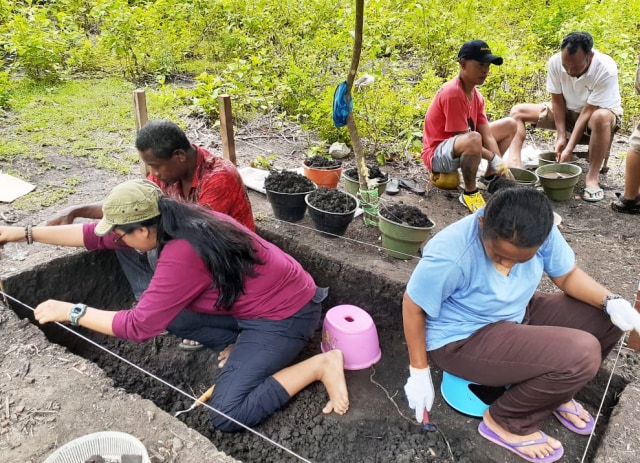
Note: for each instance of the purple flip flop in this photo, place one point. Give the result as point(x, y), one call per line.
point(488, 434)
point(569, 425)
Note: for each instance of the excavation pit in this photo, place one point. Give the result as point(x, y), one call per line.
point(378, 426)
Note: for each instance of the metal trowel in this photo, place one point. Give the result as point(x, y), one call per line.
point(202, 399)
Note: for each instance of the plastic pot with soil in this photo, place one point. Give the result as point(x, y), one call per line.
point(404, 228)
point(285, 192)
point(559, 180)
point(352, 183)
point(331, 210)
point(322, 171)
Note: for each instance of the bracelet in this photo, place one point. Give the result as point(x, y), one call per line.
point(608, 298)
point(28, 234)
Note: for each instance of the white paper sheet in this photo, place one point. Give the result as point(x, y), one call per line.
point(12, 188)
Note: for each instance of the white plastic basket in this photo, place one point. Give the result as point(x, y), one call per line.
point(109, 444)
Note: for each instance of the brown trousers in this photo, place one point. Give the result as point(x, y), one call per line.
point(546, 359)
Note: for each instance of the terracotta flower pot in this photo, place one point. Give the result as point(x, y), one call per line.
point(327, 178)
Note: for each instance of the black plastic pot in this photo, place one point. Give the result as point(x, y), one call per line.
point(331, 224)
point(289, 207)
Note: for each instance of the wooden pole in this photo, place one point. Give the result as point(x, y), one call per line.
point(226, 129)
point(363, 174)
point(634, 338)
point(141, 118)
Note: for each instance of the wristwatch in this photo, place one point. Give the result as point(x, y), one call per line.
point(77, 311)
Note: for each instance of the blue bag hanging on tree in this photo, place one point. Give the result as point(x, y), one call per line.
point(342, 105)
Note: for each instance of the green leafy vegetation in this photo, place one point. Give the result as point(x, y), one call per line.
point(281, 58)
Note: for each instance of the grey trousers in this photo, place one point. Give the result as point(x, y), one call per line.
point(547, 359)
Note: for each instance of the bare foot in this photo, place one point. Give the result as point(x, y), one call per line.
point(533, 451)
point(332, 376)
point(579, 419)
point(224, 355)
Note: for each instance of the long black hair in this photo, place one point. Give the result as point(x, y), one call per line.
point(227, 250)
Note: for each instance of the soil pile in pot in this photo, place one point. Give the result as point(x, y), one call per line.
point(374, 172)
point(286, 191)
point(320, 162)
point(331, 200)
point(287, 181)
point(406, 215)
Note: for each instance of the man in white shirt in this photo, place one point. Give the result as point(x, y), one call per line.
point(585, 107)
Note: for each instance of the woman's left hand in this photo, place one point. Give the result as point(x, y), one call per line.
point(52, 311)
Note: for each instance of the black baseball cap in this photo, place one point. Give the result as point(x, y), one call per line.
point(478, 50)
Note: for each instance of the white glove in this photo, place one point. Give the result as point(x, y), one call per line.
point(499, 166)
point(623, 315)
point(419, 390)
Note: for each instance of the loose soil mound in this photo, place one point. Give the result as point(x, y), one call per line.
point(331, 200)
point(374, 172)
point(407, 215)
point(320, 162)
point(287, 181)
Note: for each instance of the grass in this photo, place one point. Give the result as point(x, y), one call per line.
point(91, 119)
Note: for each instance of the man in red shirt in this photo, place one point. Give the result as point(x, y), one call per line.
point(191, 173)
point(457, 133)
point(183, 171)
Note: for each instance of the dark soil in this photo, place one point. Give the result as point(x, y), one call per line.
point(287, 181)
point(332, 200)
point(374, 172)
point(407, 215)
point(321, 162)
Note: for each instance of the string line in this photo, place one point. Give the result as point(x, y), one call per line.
point(166, 383)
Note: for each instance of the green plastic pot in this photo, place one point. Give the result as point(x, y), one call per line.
point(549, 157)
point(559, 180)
point(524, 177)
point(352, 186)
point(402, 241)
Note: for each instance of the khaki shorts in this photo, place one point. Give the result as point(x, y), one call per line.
point(547, 122)
point(634, 141)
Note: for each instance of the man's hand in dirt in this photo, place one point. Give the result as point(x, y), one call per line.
point(52, 311)
point(561, 144)
point(565, 156)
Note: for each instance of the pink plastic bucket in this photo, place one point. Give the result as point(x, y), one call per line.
point(351, 330)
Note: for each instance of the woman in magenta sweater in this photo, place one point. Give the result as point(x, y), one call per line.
point(215, 282)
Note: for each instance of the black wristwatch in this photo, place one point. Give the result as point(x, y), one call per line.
point(76, 312)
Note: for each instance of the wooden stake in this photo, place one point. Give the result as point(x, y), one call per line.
point(141, 118)
point(226, 129)
point(634, 338)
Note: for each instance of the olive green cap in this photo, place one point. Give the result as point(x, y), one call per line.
point(130, 202)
